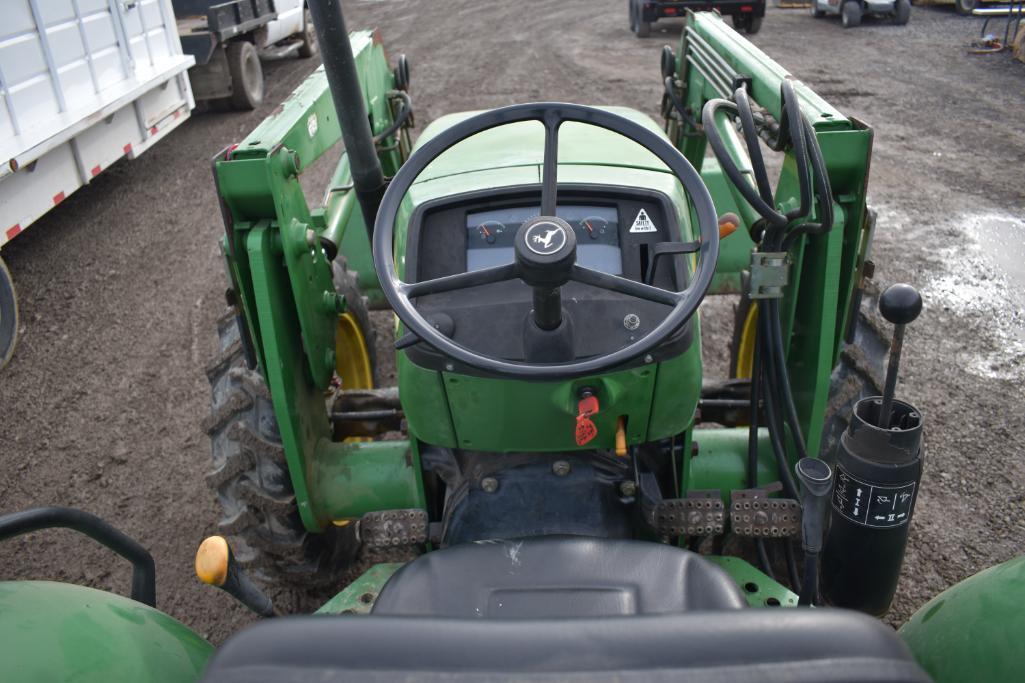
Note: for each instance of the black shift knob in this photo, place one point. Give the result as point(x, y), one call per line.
point(900, 304)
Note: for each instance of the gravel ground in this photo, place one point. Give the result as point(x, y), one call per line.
point(120, 285)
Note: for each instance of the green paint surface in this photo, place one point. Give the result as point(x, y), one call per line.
point(759, 590)
point(62, 632)
point(975, 630)
point(359, 596)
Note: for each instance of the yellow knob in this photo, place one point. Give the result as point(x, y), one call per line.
point(212, 560)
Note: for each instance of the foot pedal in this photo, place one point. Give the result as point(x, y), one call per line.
point(753, 513)
point(701, 513)
point(393, 528)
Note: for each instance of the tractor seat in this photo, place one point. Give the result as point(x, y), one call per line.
point(770, 645)
point(557, 577)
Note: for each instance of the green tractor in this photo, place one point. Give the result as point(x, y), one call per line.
point(553, 490)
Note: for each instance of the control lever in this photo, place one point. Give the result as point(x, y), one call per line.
point(900, 304)
point(216, 566)
point(816, 481)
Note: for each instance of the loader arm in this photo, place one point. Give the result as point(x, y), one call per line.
point(712, 60)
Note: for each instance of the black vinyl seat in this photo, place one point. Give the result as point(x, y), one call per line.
point(557, 576)
point(567, 608)
point(771, 645)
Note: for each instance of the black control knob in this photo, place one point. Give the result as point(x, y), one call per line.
point(900, 304)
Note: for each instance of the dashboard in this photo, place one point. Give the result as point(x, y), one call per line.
point(616, 228)
point(490, 235)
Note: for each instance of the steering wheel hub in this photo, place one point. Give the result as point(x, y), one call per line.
point(546, 249)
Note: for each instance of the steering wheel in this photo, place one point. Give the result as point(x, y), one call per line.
point(545, 246)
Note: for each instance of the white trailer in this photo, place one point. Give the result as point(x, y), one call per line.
point(83, 83)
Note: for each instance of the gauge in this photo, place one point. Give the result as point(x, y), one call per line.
point(490, 231)
point(595, 226)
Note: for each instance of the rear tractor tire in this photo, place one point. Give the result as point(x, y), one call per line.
point(850, 14)
point(859, 372)
point(251, 477)
point(815, 11)
point(246, 75)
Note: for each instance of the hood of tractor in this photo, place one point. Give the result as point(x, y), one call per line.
point(522, 144)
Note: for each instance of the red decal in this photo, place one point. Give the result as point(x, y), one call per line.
point(58, 198)
point(127, 148)
point(585, 430)
point(96, 170)
point(177, 113)
point(153, 130)
point(11, 232)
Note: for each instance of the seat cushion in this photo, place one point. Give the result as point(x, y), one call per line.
point(796, 645)
point(557, 576)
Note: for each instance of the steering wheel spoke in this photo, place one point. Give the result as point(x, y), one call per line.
point(549, 169)
point(448, 283)
point(614, 283)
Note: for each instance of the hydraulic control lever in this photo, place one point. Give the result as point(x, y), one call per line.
point(216, 566)
point(878, 472)
point(816, 479)
point(900, 304)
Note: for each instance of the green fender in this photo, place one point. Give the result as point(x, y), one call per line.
point(975, 630)
point(62, 632)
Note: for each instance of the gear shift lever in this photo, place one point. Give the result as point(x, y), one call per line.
point(900, 304)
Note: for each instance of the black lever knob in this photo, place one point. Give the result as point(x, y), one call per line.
point(900, 304)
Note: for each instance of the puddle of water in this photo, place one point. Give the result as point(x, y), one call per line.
point(986, 279)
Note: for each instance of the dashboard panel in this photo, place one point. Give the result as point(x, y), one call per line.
point(615, 228)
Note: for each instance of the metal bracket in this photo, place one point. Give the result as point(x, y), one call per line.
point(770, 273)
point(393, 528)
point(753, 513)
point(701, 513)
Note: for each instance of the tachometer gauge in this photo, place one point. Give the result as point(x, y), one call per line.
point(594, 226)
point(490, 231)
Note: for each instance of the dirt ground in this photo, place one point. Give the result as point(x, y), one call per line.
point(121, 284)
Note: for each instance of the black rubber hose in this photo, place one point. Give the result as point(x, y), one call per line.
point(795, 576)
point(775, 438)
point(782, 377)
point(808, 593)
point(823, 193)
point(754, 148)
point(752, 450)
point(794, 125)
point(400, 118)
point(715, 140)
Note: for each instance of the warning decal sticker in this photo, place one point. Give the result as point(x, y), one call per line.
point(870, 504)
point(642, 223)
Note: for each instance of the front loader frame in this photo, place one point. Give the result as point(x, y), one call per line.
point(281, 281)
point(711, 62)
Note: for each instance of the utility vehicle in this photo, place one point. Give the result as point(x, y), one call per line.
point(557, 492)
point(853, 11)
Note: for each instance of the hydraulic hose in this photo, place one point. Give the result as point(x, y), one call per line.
point(752, 451)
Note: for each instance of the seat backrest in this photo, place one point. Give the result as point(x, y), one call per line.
point(766, 645)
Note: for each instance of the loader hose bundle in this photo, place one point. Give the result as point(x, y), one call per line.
point(778, 231)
